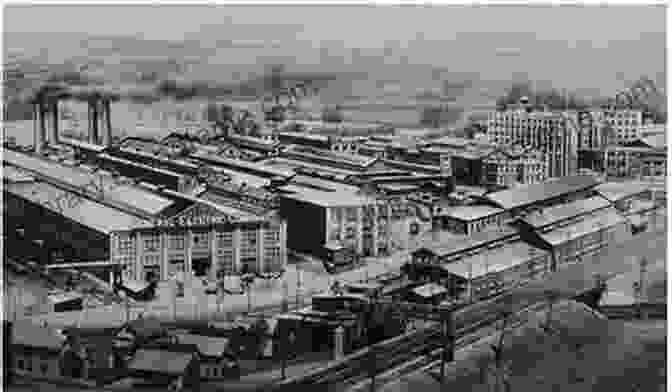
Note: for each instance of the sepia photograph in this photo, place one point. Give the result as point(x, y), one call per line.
point(341, 197)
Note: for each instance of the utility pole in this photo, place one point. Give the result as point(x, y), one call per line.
point(449, 344)
point(643, 263)
point(372, 352)
point(285, 294)
point(298, 288)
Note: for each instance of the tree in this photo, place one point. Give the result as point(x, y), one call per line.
point(496, 370)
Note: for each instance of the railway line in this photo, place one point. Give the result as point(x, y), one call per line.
point(567, 283)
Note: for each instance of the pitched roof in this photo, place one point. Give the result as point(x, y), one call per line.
point(493, 260)
point(470, 213)
point(207, 345)
point(579, 229)
point(459, 244)
point(533, 193)
point(615, 191)
point(561, 212)
point(128, 196)
point(162, 361)
point(328, 156)
point(86, 212)
point(32, 335)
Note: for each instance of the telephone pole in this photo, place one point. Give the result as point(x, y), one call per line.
point(449, 344)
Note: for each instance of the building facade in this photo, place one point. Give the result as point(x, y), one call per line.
point(633, 161)
point(554, 134)
point(194, 244)
point(509, 168)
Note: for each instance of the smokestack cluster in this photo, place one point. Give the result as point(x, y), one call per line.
point(46, 126)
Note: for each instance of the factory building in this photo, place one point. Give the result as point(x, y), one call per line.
point(339, 160)
point(468, 220)
point(343, 216)
point(150, 235)
point(582, 239)
point(481, 265)
point(205, 240)
point(521, 199)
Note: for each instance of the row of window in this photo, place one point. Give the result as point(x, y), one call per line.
point(152, 243)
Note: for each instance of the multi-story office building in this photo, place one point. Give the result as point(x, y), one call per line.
point(554, 134)
point(624, 121)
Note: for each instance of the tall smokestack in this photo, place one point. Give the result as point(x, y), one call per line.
point(41, 127)
point(93, 122)
point(37, 140)
point(53, 137)
point(100, 107)
point(108, 122)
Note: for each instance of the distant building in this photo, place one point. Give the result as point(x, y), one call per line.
point(647, 130)
point(554, 134)
point(641, 158)
point(468, 220)
point(512, 167)
point(624, 121)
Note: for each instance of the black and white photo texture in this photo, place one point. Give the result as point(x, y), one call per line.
point(334, 197)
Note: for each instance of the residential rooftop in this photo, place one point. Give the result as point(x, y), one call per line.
point(210, 346)
point(162, 361)
point(28, 334)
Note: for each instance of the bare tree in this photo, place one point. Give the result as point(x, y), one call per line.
point(496, 370)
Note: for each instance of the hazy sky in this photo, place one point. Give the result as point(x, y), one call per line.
point(577, 46)
point(355, 25)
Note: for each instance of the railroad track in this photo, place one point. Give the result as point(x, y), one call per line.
point(394, 352)
point(464, 337)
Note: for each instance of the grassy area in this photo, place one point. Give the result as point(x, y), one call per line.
point(586, 353)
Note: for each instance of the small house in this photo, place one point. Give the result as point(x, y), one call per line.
point(217, 361)
point(173, 366)
point(139, 332)
point(36, 351)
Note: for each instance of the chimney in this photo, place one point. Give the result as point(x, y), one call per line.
point(108, 123)
point(36, 128)
point(40, 133)
point(93, 122)
point(53, 137)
